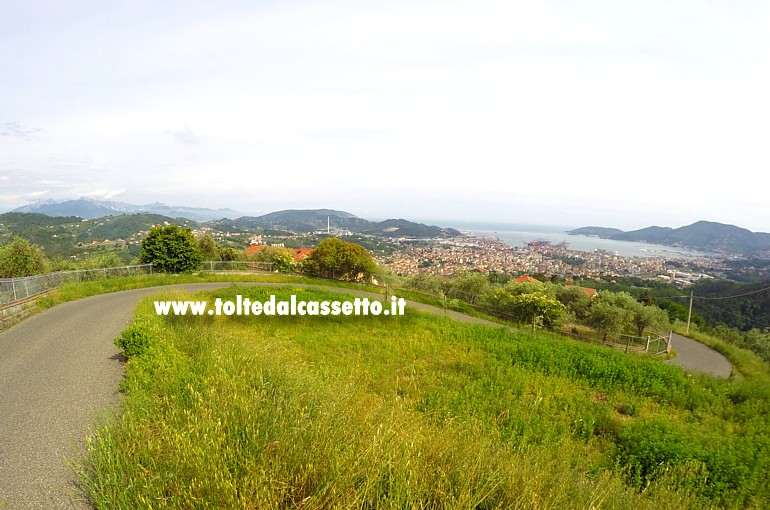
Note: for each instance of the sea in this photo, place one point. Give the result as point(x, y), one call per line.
point(521, 234)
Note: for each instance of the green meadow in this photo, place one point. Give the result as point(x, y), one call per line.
point(416, 411)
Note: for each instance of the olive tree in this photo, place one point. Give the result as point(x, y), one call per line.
point(608, 318)
point(530, 307)
point(21, 258)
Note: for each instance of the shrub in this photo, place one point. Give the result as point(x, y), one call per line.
point(134, 341)
point(650, 448)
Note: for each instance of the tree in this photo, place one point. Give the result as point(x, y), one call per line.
point(469, 286)
point(334, 258)
point(208, 247)
point(228, 254)
point(171, 249)
point(106, 259)
point(538, 306)
point(428, 284)
point(637, 316)
point(529, 307)
point(649, 317)
point(282, 259)
point(21, 258)
point(608, 318)
point(611, 313)
point(575, 300)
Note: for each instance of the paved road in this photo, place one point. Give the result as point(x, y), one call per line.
point(696, 357)
point(59, 373)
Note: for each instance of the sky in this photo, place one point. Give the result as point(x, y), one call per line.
point(615, 113)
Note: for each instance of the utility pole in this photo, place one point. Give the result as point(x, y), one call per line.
point(689, 314)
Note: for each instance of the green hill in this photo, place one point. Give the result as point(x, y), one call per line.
point(61, 235)
point(311, 220)
point(302, 220)
point(702, 235)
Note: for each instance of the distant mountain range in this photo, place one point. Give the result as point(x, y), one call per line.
point(304, 220)
point(706, 236)
point(88, 209)
point(311, 220)
point(116, 220)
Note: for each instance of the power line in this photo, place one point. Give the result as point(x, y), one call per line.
point(736, 296)
point(744, 317)
point(681, 296)
point(705, 300)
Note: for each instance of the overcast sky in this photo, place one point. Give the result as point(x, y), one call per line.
point(614, 113)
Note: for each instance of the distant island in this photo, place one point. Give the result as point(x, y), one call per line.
point(705, 236)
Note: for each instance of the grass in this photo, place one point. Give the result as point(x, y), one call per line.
point(414, 412)
point(74, 291)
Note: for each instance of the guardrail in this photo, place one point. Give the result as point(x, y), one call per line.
point(17, 290)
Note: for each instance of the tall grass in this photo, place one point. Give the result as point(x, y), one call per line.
point(413, 412)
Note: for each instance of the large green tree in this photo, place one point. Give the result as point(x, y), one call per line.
point(335, 258)
point(470, 286)
point(171, 249)
point(21, 258)
point(575, 300)
point(607, 318)
point(616, 312)
point(282, 259)
point(208, 247)
point(649, 317)
point(530, 307)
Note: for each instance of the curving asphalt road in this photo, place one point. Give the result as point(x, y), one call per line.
point(59, 373)
point(697, 357)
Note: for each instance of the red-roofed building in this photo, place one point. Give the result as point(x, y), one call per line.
point(253, 249)
point(299, 253)
point(588, 291)
point(526, 279)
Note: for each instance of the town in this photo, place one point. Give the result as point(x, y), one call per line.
point(446, 257)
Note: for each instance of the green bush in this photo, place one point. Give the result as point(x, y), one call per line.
point(650, 448)
point(171, 249)
point(45, 302)
point(134, 341)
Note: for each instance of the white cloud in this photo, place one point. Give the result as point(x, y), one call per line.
point(510, 108)
point(103, 194)
point(14, 129)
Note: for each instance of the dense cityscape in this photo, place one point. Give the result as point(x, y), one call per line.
point(447, 257)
